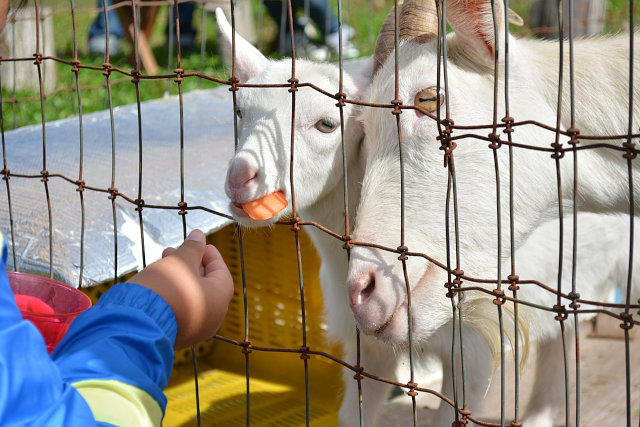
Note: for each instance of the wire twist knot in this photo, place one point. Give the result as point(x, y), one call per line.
point(573, 135)
point(348, 241)
point(562, 312)
point(508, 121)
point(499, 300)
point(403, 253)
point(233, 81)
point(495, 141)
point(396, 109)
point(139, 204)
point(113, 192)
point(182, 205)
point(558, 153)
point(412, 389)
point(358, 375)
point(630, 154)
point(246, 346)
point(305, 352)
point(294, 82)
point(179, 72)
point(574, 303)
point(627, 320)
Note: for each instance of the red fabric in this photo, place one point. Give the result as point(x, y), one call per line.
point(33, 304)
point(51, 328)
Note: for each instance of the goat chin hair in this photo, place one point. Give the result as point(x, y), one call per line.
point(481, 313)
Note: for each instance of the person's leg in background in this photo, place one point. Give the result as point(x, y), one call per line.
point(187, 31)
point(327, 23)
point(277, 9)
point(97, 30)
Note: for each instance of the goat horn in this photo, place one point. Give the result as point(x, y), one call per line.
point(418, 21)
point(385, 42)
point(425, 30)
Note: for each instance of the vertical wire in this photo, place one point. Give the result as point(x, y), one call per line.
point(203, 42)
point(172, 31)
point(238, 229)
point(182, 204)
point(347, 225)
point(6, 176)
point(441, 75)
point(43, 35)
point(296, 228)
point(574, 293)
point(557, 156)
point(403, 258)
point(495, 145)
point(80, 182)
point(14, 66)
point(44, 172)
point(397, 111)
point(109, 100)
point(136, 81)
point(512, 277)
point(629, 156)
point(106, 53)
point(345, 189)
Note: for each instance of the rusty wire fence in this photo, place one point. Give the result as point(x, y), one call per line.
point(568, 305)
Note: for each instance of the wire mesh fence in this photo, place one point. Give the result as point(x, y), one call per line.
point(502, 290)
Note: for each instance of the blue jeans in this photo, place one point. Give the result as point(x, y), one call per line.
point(97, 27)
point(319, 12)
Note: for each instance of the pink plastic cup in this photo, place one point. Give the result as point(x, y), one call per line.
point(62, 304)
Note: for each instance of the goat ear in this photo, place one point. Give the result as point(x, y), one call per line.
point(472, 22)
point(249, 60)
point(361, 70)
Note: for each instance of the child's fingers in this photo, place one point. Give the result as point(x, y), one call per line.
point(212, 260)
point(192, 249)
point(168, 251)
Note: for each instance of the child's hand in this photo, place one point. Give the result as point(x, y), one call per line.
point(196, 283)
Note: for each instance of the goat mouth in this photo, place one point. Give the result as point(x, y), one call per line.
point(380, 331)
point(237, 211)
point(423, 281)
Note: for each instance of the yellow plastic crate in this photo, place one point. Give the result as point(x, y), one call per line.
point(276, 379)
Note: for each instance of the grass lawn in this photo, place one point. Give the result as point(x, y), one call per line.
point(365, 16)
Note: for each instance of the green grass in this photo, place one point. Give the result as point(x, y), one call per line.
point(92, 83)
point(365, 16)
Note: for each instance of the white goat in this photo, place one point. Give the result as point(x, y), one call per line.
point(261, 163)
point(261, 166)
point(376, 278)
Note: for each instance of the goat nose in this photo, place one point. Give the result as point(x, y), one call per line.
point(361, 289)
point(242, 174)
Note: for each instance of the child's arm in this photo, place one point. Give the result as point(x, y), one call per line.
point(124, 345)
point(117, 356)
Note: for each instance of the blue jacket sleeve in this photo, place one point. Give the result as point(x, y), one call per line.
point(32, 391)
point(127, 336)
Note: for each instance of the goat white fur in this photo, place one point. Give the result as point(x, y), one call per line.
point(376, 278)
point(262, 161)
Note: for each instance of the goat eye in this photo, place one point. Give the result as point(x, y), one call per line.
point(428, 99)
point(326, 125)
point(239, 113)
